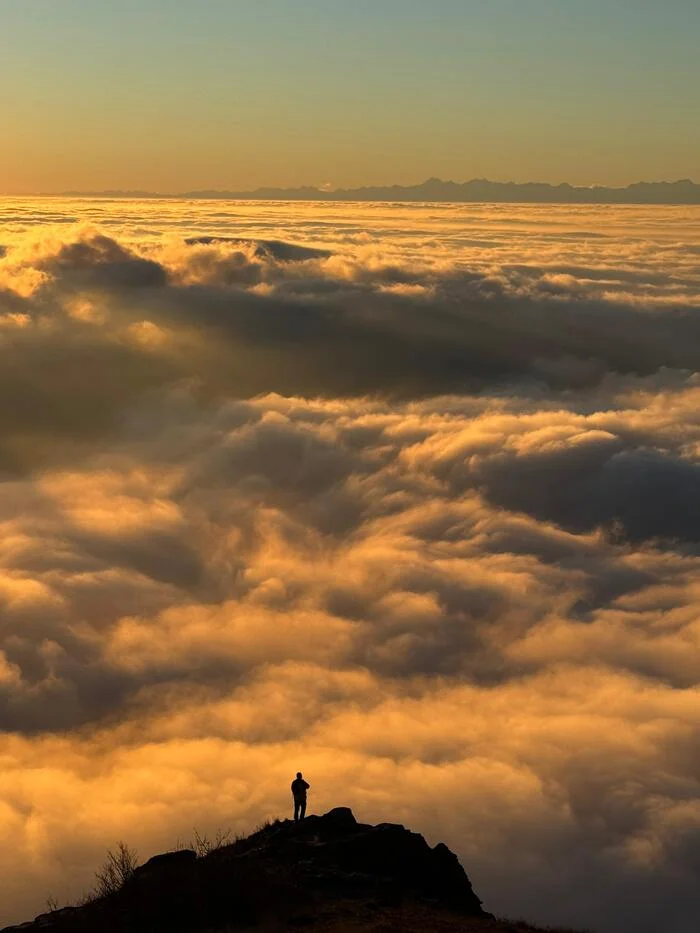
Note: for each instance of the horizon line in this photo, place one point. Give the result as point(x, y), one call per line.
point(379, 192)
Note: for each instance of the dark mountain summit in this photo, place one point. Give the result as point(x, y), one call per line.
point(327, 873)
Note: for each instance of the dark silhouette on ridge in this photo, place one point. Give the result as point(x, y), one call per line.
point(327, 869)
point(299, 789)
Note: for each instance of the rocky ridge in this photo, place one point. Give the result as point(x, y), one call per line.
point(326, 873)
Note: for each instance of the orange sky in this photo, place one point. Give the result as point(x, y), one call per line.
point(181, 95)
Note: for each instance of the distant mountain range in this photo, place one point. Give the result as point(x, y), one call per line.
point(434, 189)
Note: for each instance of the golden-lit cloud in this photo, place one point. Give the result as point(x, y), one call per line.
point(419, 515)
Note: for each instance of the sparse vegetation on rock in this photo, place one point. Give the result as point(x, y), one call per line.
point(327, 873)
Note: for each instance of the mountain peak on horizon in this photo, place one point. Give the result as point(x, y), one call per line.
point(476, 190)
point(327, 872)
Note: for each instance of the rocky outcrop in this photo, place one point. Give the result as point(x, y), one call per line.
point(335, 855)
point(289, 874)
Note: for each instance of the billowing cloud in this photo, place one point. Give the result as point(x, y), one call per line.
point(404, 510)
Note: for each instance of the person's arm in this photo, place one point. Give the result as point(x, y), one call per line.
point(307, 786)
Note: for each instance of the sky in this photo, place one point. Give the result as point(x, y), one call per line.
point(174, 95)
point(406, 497)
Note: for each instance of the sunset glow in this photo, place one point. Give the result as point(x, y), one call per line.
point(229, 547)
point(173, 95)
point(387, 472)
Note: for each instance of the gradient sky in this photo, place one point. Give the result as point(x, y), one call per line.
point(176, 94)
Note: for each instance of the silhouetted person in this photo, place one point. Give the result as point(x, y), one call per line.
point(299, 789)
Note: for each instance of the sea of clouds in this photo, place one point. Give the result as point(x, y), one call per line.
point(404, 496)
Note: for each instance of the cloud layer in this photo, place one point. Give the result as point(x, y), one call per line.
point(409, 499)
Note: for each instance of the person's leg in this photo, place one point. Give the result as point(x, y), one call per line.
point(302, 808)
point(297, 807)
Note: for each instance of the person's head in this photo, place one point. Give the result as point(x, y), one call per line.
point(298, 774)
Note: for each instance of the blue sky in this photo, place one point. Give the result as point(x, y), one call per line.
point(170, 94)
